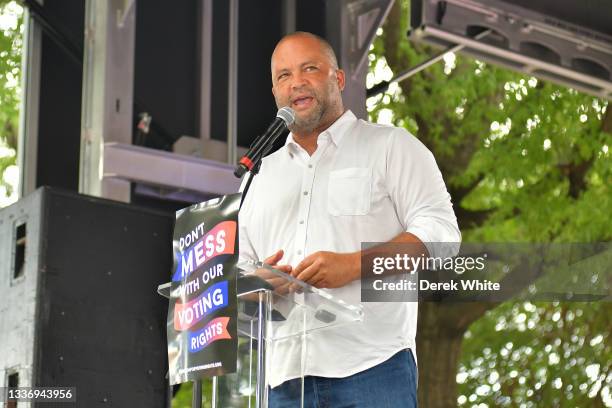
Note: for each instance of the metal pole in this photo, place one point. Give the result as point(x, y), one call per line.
point(215, 390)
point(260, 393)
point(27, 149)
point(250, 360)
point(232, 97)
point(303, 357)
point(196, 396)
point(205, 62)
point(108, 94)
point(288, 13)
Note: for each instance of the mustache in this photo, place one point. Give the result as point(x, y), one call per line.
point(298, 93)
point(303, 92)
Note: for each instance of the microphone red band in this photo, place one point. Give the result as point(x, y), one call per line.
point(247, 162)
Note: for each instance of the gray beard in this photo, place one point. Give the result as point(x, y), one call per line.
point(309, 123)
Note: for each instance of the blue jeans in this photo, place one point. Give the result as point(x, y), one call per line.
point(391, 384)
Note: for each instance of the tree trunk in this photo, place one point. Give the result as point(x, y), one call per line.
point(438, 349)
point(440, 331)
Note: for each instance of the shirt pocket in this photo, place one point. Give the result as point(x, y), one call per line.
point(349, 191)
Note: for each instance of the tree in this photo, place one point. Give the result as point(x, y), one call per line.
point(11, 29)
point(524, 161)
point(540, 355)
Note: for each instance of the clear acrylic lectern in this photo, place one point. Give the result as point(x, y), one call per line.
point(275, 315)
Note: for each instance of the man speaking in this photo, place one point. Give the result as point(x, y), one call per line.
point(337, 182)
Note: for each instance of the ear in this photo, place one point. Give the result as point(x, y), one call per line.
point(273, 92)
point(340, 78)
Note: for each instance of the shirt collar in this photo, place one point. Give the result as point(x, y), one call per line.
point(336, 131)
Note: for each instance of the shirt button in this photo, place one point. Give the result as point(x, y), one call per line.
point(310, 166)
point(305, 193)
point(299, 252)
point(302, 222)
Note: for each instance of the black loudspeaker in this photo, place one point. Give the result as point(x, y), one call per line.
point(78, 301)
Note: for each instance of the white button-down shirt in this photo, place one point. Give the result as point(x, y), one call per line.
point(364, 183)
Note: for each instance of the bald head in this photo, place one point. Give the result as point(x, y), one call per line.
point(305, 77)
point(323, 45)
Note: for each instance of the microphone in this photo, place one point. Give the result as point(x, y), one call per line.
point(284, 118)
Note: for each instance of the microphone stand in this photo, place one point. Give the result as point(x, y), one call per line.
point(254, 171)
point(250, 176)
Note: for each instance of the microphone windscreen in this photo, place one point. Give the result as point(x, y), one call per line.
point(286, 114)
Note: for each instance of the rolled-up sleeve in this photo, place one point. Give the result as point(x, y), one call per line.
point(419, 194)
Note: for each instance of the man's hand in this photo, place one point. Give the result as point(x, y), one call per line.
point(272, 260)
point(329, 269)
point(280, 285)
